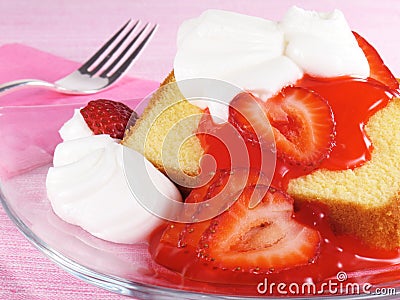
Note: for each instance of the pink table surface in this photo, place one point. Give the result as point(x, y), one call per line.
point(73, 29)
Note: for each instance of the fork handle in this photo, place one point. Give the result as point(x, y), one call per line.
point(11, 86)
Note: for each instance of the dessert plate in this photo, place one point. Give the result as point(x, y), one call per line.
point(29, 135)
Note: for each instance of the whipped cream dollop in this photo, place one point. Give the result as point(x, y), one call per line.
point(87, 185)
point(75, 127)
point(262, 56)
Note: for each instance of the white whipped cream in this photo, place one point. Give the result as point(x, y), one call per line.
point(87, 186)
point(322, 44)
point(263, 56)
point(75, 127)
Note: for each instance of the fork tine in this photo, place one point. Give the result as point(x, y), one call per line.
point(117, 73)
point(111, 53)
point(123, 53)
point(91, 60)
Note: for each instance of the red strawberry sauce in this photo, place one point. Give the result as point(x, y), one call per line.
point(353, 101)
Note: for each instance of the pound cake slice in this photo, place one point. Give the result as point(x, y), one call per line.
point(364, 201)
point(166, 132)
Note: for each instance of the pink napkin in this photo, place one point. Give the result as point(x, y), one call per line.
point(19, 62)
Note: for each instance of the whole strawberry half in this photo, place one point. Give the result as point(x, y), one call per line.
point(108, 117)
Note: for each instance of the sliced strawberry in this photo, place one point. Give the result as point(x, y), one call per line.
point(301, 123)
point(191, 233)
point(378, 70)
point(303, 126)
point(182, 239)
point(247, 114)
point(259, 239)
point(171, 233)
point(252, 239)
point(108, 117)
point(166, 249)
point(184, 235)
point(237, 179)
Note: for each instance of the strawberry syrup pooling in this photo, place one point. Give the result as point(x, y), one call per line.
point(353, 101)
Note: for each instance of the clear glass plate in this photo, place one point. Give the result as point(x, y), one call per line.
point(28, 137)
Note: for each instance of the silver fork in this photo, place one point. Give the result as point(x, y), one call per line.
point(101, 70)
